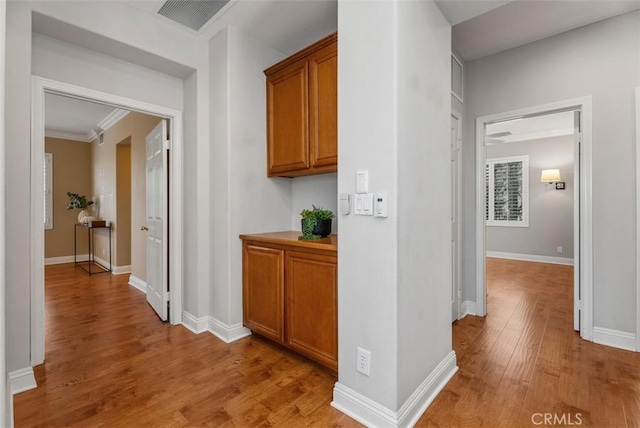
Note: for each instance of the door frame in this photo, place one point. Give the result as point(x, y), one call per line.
point(582, 224)
point(40, 86)
point(455, 113)
point(637, 219)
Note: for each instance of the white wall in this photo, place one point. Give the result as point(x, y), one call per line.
point(319, 190)
point(367, 140)
point(424, 269)
point(601, 60)
point(129, 26)
point(245, 199)
point(550, 210)
point(65, 62)
point(394, 122)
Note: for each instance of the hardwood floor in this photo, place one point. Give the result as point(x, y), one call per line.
point(524, 363)
point(110, 362)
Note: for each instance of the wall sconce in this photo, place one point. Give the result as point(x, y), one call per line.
point(550, 176)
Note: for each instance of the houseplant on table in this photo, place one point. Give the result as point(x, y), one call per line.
point(80, 202)
point(316, 223)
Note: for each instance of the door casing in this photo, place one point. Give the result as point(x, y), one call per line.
point(458, 267)
point(637, 219)
point(40, 86)
point(583, 220)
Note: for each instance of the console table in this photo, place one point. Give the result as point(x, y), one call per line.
point(91, 262)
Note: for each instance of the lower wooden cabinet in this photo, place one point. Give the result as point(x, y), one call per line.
point(311, 310)
point(263, 291)
point(290, 293)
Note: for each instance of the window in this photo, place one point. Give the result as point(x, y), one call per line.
point(48, 191)
point(457, 77)
point(507, 191)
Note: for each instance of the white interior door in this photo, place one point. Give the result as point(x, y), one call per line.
point(156, 228)
point(455, 217)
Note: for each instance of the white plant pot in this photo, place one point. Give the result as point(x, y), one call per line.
point(84, 217)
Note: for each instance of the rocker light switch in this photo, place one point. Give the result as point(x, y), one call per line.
point(362, 181)
point(364, 204)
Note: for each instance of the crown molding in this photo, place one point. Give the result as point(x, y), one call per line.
point(67, 136)
point(111, 119)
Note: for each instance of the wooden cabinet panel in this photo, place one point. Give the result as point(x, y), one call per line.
point(312, 319)
point(323, 102)
point(263, 291)
point(302, 111)
point(287, 119)
point(290, 292)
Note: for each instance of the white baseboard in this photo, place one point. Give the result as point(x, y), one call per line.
point(22, 380)
point(467, 308)
point(370, 413)
point(65, 259)
point(115, 270)
point(226, 333)
point(120, 270)
point(195, 325)
point(614, 338)
point(138, 283)
point(531, 258)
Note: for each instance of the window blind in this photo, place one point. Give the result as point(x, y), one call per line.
point(507, 191)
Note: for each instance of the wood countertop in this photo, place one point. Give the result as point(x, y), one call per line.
point(290, 238)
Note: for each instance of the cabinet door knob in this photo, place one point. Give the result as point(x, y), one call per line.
point(145, 228)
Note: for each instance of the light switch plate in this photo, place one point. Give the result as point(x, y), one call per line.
point(381, 204)
point(364, 204)
point(362, 181)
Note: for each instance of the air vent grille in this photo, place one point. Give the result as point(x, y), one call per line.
point(191, 13)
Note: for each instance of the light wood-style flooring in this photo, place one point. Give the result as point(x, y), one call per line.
point(110, 362)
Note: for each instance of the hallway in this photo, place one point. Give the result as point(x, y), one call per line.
point(524, 361)
point(111, 362)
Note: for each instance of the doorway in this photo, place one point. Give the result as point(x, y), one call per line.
point(456, 203)
point(583, 285)
point(41, 86)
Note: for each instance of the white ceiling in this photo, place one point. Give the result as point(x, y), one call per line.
point(481, 28)
point(524, 21)
point(531, 128)
point(457, 11)
point(74, 119)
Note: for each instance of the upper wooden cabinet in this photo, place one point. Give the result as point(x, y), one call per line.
point(302, 112)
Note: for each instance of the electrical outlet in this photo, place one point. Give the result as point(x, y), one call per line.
point(559, 250)
point(363, 361)
point(104, 251)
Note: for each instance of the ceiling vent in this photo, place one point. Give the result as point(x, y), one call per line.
point(191, 13)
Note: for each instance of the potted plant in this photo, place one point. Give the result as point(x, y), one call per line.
point(316, 223)
point(80, 202)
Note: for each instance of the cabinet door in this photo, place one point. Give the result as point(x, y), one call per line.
point(263, 291)
point(287, 120)
point(312, 317)
point(323, 108)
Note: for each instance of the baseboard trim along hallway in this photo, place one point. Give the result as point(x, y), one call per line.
point(370, 413)
point(22, 380)
point(226, 333)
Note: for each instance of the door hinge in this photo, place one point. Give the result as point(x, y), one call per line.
point(167, 144)
point(579, 305)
